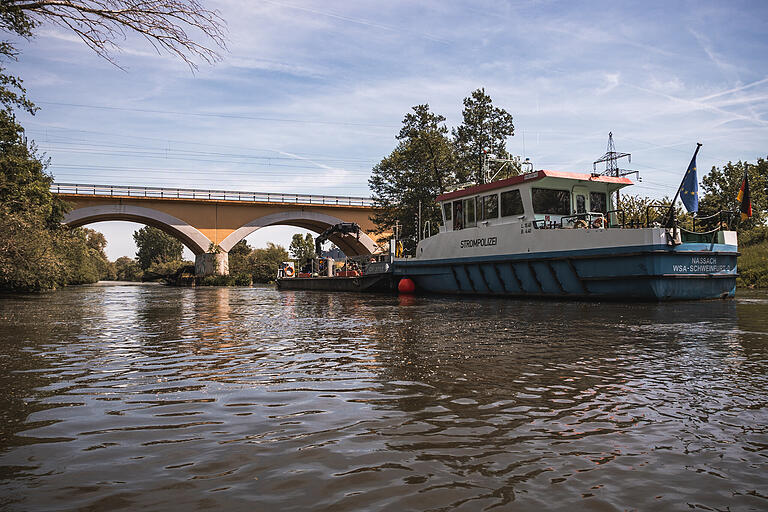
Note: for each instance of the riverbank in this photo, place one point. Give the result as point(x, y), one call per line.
point(753, 266)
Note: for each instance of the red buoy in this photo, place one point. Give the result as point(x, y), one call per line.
point(406, 285)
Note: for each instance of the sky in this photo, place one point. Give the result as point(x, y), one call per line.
point(309, 95)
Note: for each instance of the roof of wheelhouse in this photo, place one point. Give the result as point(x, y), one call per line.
point(533, 176)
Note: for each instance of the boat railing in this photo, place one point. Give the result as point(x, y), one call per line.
point(588, 220)
point(545, 224)
point(718, 221)
point(426, 230)
point(655, 209)
point(723, 222)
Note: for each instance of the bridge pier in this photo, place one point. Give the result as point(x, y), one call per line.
point(208, 264)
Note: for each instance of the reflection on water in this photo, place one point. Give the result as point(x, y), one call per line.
point(120, 397)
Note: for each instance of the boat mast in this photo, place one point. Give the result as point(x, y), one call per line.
point(487, 159)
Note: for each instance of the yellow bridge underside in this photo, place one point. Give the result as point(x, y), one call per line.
point(223, 223)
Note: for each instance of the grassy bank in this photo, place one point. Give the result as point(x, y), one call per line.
point(753, 266)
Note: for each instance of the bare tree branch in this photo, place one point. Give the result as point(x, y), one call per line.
point(170, 26)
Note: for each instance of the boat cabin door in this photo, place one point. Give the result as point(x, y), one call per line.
point(579, 202)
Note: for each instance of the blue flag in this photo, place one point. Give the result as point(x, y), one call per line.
point(689, 188)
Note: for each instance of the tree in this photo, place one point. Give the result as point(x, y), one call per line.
point(29, 214)
point(127, 269)
point(24, 184)
point(721, 186)
point(263, 263)
point(238, 258)
point(302, 249)
point(636, 212)
point(420, 168)
point(84, 256)
point(484, 128)
point(29, 260)
point(102, 24)
point(155, 247)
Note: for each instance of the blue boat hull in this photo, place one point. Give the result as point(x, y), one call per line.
point(657, 273)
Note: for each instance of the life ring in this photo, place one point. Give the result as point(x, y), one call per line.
point(288, 271)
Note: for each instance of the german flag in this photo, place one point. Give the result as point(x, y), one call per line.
point(744, 199)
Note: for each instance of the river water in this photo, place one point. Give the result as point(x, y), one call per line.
point(128, 397)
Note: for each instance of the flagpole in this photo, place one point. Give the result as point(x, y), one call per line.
point(671, 213)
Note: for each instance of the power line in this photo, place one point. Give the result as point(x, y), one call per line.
point(219, 115)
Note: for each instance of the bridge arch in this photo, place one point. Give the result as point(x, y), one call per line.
point(188, 235)
point(351, 245)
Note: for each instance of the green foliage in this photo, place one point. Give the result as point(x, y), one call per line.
point(754, 236)
point(484, 128)
point(82, 250)
point(217, 281)
point(243, 280)
point(24, 184)
point(263, 263)
point(37, 253)
point(29, 259)
point(721, 186)
point(127, 269)
point(753, 265)
point(238, 258)
point(247, 265)
point(302, 249)
point(165, 269)
point(15, 20)
point(155, 246)
point(420, 168)
point(638, 214)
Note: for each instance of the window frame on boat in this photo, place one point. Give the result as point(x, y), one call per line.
point(605, 203)
point(564, 199)
point(515, 200)
point(470, 211)
point(489, 209)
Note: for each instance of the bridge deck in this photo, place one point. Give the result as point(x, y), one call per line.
point(117, 191)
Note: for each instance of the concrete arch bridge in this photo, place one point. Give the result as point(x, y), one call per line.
point(211, 222)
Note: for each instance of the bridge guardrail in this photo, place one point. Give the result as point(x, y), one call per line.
point(218, 195)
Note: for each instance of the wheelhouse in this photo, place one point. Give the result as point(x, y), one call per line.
point(543, 198)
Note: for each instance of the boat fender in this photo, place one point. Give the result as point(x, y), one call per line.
point(406, 285)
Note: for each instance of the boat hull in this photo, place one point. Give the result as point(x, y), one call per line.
point(366, 283)
point(654, 273)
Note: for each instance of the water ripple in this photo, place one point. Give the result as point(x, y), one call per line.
point(147, 396)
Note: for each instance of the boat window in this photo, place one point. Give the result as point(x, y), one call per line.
point(546, 200)
point(469, 213)
point(581, 204)
point(458, 216)
point(490, 208)
point(446, 212)
point(511, 203)
point(598, 202)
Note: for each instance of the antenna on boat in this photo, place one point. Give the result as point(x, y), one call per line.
point(611, 158)
point(513, 161)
